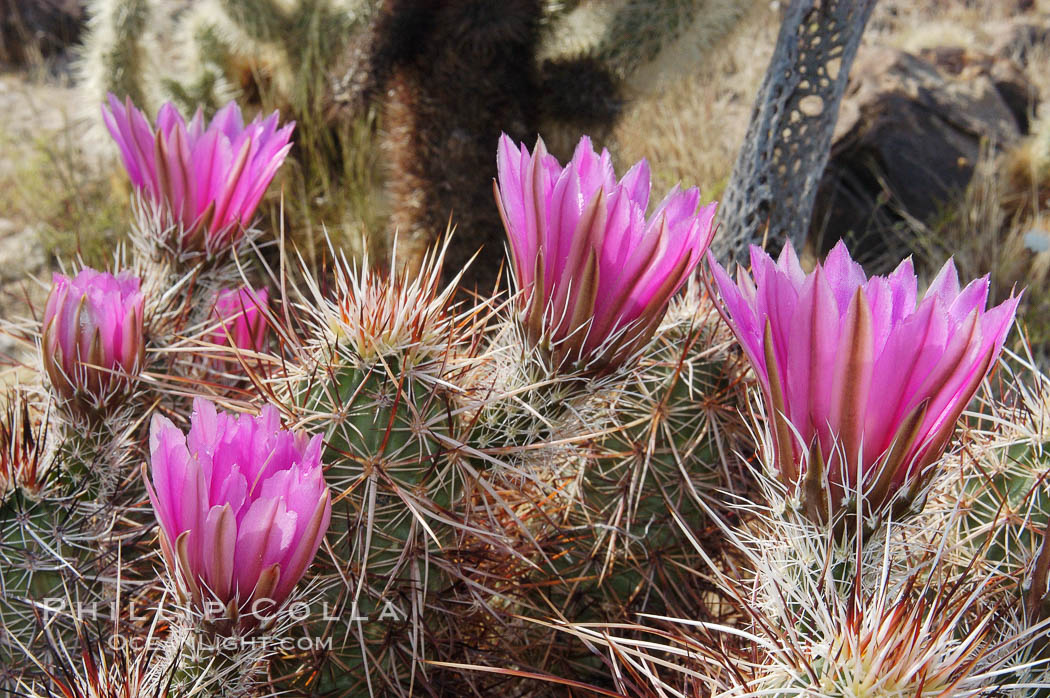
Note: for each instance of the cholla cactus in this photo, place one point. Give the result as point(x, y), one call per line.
point(206, 53)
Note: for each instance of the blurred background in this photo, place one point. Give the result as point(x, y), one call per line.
point(942, 145)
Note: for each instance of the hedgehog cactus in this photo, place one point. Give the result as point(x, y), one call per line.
point(600, 423)
point(579, 450)
point(373, 372)
point(864, 382)
point(23, 470)
point(372, 366)
point(243, 507)
point(1004, 496)
point(46, 535)
point(595, 278)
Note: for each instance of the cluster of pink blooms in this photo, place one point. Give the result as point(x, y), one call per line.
point(206, 179)
point(863, 381)
point(863, 384)
point(242, 504)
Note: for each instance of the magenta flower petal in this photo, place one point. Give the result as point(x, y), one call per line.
point(247, 494)
point(595, 273)
point(207, 179)
point(867, 377)
point(253, 534)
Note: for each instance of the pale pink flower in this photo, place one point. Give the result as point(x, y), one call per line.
point(242, 506)
point(596, 275)
point(207, 179)
point(92, 345)
point(863, 383)
point(241, 318)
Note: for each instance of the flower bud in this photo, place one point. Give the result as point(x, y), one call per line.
point(92, 345)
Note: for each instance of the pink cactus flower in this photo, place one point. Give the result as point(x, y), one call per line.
point(863, 384)
point(207, 179)
point(596, 275)
point(92, 344)
point(242, 506)
point(240, 314)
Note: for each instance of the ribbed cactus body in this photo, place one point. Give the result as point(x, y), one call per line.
point(641, 491)
point(46, 528)
point(1004, 498)
point(196, 661)
point(605, 474)
point(389, 491)
point(1008, 509)
point(47, 560)
point(381, 397)
point(376, 416)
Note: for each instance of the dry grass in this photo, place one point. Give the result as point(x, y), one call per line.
point(913, 27)
point(74, 211)
point(48, 184)
point(692, 125)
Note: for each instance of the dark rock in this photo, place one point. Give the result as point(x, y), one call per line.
point(1019, 94)
point(909, 135)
